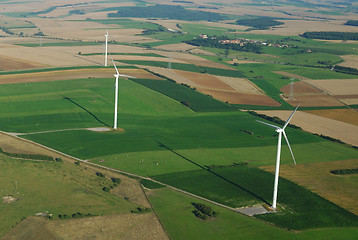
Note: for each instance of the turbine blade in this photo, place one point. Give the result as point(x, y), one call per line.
point(270, 125)
point(289, 119)
point(288, 144)
point(115, 67)
point(126, 76)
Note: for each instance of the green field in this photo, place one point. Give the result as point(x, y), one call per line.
point(46, 186)
point(244, 186)
point(175, 211)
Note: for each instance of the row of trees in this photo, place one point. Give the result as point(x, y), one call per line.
point(259, 23)
point(331, 35)
point(215, 43)
point(167, 11)
point(28, 156)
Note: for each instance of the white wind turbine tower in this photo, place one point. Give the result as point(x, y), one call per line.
point(280, 132)
point(117, 75)
point(106, 51)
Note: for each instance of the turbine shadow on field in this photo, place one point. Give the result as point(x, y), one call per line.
point(214, 173)
point(94, 116)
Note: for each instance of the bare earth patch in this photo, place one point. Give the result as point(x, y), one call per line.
point(343, 115)
point(317, 178)
point(8, 63)
point(336, 86)
point(316, 124)
point(9, 199)
point(308, 96)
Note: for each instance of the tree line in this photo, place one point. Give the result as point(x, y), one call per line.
point(168, 12)
point(331, 35)
point(215, 43)
point(259, 23)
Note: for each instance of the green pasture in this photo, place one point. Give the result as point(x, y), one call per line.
point(244, 186)
point(46, 105)
point(175, 211)
point(46, 186)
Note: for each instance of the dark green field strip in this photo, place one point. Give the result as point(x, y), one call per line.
point(187, 96)
point(238, 186)
point(148, 133)
point(189, 67)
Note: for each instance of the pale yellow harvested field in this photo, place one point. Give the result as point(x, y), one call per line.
point(350, 101)
point(240, 61)
point(124, 226)
point(296, 27)
point(44, 56)
point(343, 115)
point(336, 86)
point(317, 178)
point(350, 61)
point(87, 31)
point(316, 124)
point(241, 85)
point(176, 47)
point(72, 74)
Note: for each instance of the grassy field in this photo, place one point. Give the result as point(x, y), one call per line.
point(243, 186)
point(46, 186)
point(175, 211)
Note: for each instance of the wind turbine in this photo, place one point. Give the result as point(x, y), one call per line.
point(280, 132)
point(106, 51)
point(117, 75)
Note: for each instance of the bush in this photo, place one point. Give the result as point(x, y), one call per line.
point(202, 211)
point(99, 174)
point(116, 180)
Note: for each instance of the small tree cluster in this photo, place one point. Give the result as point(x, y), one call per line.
point(99, 174)
point(202, 211)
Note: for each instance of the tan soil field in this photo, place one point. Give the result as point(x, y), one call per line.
point(291, 75)
point(336, 86)
point(126, 226)
point(297, 27)
point(308, 96)
point(317, 178)
point(232, 90)
point(8, 64)
point(72, 74)
point(300, 88)
point(353, 101)
point(241, 85)
point(240, 61)
point(44, 56)
point(176, 47)
point(240, 98)
point(343, 115)
point(321, 125)
point(205, 80)
point(349, 61)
